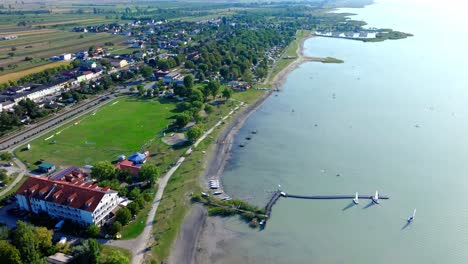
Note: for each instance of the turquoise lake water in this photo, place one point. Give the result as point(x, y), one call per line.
point(393, 118)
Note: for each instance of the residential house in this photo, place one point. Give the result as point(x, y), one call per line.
point(118, 63)
point(128, 167)
point(171, 77)
point(65, 56)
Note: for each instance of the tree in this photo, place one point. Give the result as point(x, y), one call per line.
point(209, 109)
point(116, 227)
point(6, 156)
point(4, 177)
point(248, 76)
point(149, 93)
point(148, 172)
point(194, 133)
point(134, 208)
point(134, 194)
point(182, 120)
point(116, 257)
point(188, 81)
point(196, 95)
point(9, 254)
point(44, 238)
point(141, 89)
point(103, 170)
point(227, 93)
point(87, 252)
point(206, 92)
point(123, 215)
point(189, 65)
point(213, 87)
point(24, 240)
point(146, 71)
point(93, 230)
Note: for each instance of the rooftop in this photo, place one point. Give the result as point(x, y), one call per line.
point(78, 194)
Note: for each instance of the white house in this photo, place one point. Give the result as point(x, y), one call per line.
point(118, 63)
point(81, 202)
point(171, 77)
point(65, 56)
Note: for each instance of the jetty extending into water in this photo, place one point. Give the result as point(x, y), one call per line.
point(277, 194)
point(332, 197)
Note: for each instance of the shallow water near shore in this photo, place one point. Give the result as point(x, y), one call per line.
point(393, 117)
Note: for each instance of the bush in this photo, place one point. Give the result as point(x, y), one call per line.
point(134, 208)
point(147, 197)
point(209, 108)
point(221, 211)
point(123, 215)
point(115, 228)
point(93, 230)
point(6, 156)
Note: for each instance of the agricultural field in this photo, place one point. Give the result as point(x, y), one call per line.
point(33, 49)
point(19, 73)
point(122, 126)
point(41, 36)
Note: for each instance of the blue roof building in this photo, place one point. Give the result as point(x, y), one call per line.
point(137, 158)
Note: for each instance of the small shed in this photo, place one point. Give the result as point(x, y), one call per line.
point(46, 167)
point(59, 258)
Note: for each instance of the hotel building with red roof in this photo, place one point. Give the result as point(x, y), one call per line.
point(82, 202)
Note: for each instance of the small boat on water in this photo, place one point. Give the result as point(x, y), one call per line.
point(411, 218)
point(375, 198)
point(356, 199)
point(227, 198)
point(254, 131)
point(217, 193)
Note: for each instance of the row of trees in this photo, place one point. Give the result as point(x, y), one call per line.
point(104, 170)
point(24, 108)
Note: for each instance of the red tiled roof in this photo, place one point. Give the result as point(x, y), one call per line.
point(76, 195)
point(127, 165)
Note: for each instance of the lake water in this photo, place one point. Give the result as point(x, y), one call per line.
point(393, 118)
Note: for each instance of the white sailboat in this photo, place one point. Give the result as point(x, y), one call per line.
point(356, 199)
point(375, 198)
point(411, 218)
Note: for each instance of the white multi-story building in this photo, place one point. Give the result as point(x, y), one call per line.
point(82, 202)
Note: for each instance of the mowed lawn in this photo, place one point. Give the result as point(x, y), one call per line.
point(122, 126)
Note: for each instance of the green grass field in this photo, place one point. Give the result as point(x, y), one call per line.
point(120, 127)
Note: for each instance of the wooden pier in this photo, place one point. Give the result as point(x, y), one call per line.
point(333, 197)
point(272, 202)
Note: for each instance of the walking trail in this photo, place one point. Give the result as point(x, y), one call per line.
point(142, 244)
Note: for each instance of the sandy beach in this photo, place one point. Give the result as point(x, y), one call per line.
point(201, 238)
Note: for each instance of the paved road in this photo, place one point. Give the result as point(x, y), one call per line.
point(22, 171)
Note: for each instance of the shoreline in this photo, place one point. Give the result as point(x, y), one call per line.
point(206, 230)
